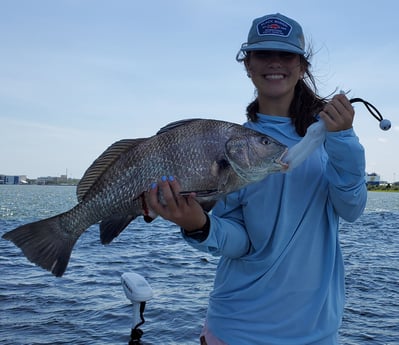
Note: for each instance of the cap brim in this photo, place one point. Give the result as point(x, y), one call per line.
point(271, 45)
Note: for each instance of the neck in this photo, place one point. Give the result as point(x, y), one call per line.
point(278, 106)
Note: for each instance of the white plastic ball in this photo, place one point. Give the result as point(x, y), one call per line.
point(385, 124)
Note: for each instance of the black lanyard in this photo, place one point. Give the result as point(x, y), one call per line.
point(384, 123)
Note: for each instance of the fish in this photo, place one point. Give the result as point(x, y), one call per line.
point(209, 157)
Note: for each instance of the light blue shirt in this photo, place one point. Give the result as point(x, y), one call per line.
point(280, 278)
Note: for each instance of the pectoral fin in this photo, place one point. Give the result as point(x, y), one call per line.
point(204, 197)
point(201, 193)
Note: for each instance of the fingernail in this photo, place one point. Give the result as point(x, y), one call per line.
point(153, 185)
point(171, 178)
point(164, 178)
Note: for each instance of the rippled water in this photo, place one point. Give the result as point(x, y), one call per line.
point(88, 306)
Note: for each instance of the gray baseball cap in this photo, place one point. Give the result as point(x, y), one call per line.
point(275, 32)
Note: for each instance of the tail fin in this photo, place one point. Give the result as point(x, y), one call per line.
point(45, 243)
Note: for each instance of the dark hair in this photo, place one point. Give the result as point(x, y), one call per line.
point(305, 104)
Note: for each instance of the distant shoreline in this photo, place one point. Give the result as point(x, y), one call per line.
point(383, 190)
point(389, 188)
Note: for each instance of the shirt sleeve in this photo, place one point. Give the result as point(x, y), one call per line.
point(227, 235)
point(345, 172)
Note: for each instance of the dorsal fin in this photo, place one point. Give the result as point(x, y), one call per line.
point(176, 124)
point(101, 164)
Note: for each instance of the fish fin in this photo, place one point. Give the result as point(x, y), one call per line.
point(206, 205)
point(112, 227)
point(201, 193)
point(45, 243)
point(101, 164)
point(176, 124)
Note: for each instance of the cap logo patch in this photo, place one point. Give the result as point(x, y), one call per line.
point(274, 26)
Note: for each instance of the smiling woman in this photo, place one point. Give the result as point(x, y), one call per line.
point(280, 278)
point(282, 69)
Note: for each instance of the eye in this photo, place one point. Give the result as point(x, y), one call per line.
point(267, 54)
point(265, 141)
point(261, 54)
point(287, 55)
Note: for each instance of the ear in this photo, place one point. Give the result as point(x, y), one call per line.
point(246, 64)
point(303, 69)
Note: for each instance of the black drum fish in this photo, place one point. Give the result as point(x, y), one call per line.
point(209, 157)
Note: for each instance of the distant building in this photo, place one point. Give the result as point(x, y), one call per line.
point(373, 179)
point(47, 180)
point(52, 180)
point(13, 179)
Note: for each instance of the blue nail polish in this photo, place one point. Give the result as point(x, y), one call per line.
point(171, 178)
point(153, 185)
point(164, 178)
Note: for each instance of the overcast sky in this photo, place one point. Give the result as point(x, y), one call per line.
point(78, 75)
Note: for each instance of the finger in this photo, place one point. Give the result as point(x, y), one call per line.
point(331, 116)
point(152, 197)
point(336, 116)
point(343, 107)
point(327, 120)
point(175, 187)
point(167, 192)
point(329, 113)
point(339, 108)
point(345, 102)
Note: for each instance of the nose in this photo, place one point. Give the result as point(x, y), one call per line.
point(274, 61)
point(274, 58)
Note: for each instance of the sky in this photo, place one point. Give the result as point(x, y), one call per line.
point(78, 75)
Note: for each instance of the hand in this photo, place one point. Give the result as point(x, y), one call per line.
point(184, 211)
point(338, 114)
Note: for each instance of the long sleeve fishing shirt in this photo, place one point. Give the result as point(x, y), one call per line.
point(280, 278)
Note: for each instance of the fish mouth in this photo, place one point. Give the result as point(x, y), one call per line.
point(280, 161)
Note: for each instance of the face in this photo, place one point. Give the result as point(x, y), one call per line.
point(274, 73)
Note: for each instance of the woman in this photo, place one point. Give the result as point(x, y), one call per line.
point(280, 278)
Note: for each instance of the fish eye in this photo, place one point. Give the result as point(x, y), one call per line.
point(265, 141)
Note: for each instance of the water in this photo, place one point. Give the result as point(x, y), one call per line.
point(88, 306)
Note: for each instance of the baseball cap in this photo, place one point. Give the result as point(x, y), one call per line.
point(274, 32)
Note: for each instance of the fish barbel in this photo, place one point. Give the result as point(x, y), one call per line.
point(209, 157)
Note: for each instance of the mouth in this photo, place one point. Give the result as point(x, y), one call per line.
point(274, 76)
point(280, 161)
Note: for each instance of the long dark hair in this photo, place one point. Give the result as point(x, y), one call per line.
point(305, 104)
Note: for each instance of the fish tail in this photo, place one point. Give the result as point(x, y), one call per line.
point(45, 243)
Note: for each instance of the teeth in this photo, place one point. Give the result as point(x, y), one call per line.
point(274, 76)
